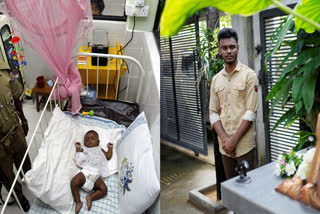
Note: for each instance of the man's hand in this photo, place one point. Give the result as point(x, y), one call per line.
point(78, 147)
point(229, 146)
point(25, 126)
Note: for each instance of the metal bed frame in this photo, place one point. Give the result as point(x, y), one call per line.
point(54, 95)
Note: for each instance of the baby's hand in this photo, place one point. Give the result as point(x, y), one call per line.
point(110, 145)
point(78, 145)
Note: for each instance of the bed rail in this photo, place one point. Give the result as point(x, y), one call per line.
point(110, 57)
point(54, 96)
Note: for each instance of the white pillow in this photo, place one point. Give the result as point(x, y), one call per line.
point(139, 185)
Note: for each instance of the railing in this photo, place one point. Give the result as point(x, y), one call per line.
point(53, 96)
point(111, 57)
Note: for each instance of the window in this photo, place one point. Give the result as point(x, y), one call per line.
point(108, 9)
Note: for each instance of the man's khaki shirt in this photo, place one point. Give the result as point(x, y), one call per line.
point(231, 97)
point(9, 90)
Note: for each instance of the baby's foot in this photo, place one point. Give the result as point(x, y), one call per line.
point(89, 201)
point(78, 207)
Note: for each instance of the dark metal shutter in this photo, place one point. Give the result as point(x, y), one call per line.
point(182, 115)
point(281, 139)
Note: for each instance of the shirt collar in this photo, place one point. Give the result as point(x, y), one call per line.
point(237, 68)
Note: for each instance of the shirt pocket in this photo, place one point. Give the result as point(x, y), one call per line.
point(9, 106)
point(220, 91)
point(238, 92)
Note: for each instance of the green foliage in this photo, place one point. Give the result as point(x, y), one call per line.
point(225, 21)
point(298, 79)
point(311, 10)
point(176, 12)
point(303, 136)
point(209, 54)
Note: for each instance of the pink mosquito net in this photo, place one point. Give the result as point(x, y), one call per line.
point(53, 28)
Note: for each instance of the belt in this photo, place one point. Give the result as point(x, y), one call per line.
point(3, 138)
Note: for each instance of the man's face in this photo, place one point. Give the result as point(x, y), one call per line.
point(228, 49)
point(91, 139)
point(95, 10)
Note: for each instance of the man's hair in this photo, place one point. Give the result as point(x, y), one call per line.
point(226, 33)
point(93, 131)
point(99, 4)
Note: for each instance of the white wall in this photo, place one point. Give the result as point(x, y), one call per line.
point(143, 47)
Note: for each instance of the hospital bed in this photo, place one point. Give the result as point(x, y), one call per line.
point(55, 124)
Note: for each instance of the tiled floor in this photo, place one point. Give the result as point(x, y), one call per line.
point(181, 173)
point(32, 116)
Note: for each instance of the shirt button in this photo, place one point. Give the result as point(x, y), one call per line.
point(228, 92)
point(1, 106)
point(6, 118)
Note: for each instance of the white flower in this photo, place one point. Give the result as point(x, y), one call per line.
point(303, 170)
point(304, 167)
point(308, 156)
point(277, 170)
point(290, 168)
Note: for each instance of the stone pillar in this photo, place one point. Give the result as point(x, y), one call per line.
point(243, 26)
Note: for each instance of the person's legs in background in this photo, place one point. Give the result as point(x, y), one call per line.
point(230, 164)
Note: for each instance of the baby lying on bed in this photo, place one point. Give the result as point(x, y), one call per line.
point(92, 160)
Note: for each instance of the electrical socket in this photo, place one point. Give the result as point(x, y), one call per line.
point(142, 11)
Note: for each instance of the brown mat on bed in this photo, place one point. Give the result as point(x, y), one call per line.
point(123, 113)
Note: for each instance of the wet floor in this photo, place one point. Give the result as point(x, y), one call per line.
point(181, 173)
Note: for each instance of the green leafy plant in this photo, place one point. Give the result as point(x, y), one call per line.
point(298, 79)
point(209, 54)
point(176, 12)
point(225, 21)
point(302, 140)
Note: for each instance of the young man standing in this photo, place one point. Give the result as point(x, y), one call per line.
point(233, 105)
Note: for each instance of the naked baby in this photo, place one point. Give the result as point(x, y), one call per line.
point(92, 160)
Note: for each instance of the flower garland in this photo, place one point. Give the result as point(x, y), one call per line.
point(287, 164)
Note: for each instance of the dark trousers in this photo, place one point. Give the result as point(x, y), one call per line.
point(12, 149)
point(230, 164)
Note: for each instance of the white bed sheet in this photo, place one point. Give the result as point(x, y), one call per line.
point(53, 168)
point(108, 204)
